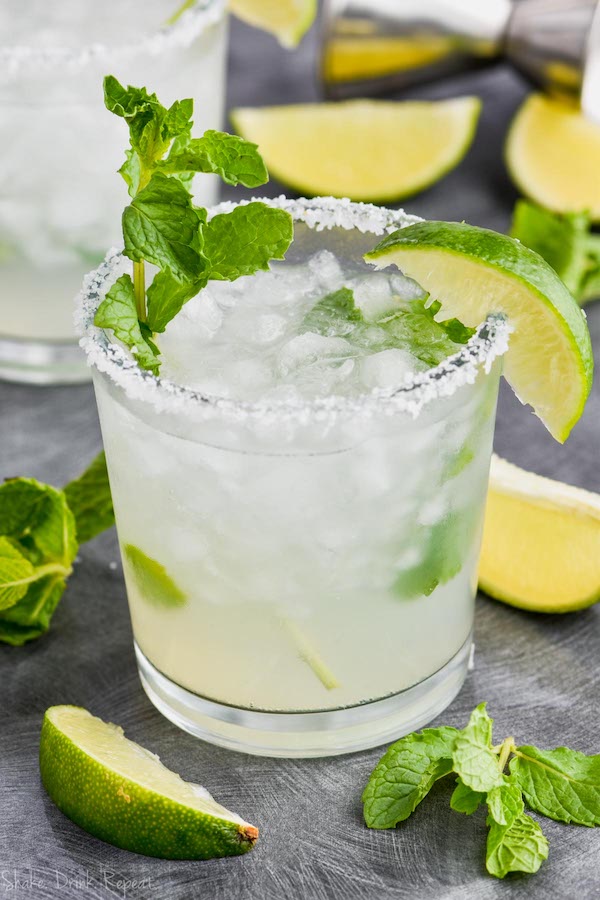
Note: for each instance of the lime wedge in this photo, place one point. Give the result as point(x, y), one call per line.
point(541, 542)
point(474, 272)
point(288, 20)
point(363, 149)
point(552, 153)
point(122, 793)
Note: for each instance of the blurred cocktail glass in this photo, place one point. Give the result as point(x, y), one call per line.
point(60, 203)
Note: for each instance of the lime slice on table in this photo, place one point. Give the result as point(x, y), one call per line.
point(371, 150)
point(553, 153)
point(288, 20)
point(474, 272)
point(541, 542)
point(122, 793)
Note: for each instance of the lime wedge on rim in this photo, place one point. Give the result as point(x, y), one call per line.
point(122, 793)
point(288, 20)
point(371, 150)
point(553, 153)
point(541, 542)
point(474, 272)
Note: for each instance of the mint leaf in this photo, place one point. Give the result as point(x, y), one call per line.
point(518, 847)
point(151, 579)
point(165, 298)
point(118, 312)
point(405, 774)
point(126, 102)
point(465, 800)
point(336, 315)
point(161, 226)
point(564, 241)
point(178, 120)
point(37, 548)
point(505, 803)
point(234, 159)
point(473, 758)
point(562, 784)
point(90, 501)
point(243, 241)
point(15, 572)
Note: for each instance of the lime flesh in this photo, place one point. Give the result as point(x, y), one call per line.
point(369, 150)
point(288, 20)
point(553, 154)
point(474, 272)
point(541, 542)
point(122, 793)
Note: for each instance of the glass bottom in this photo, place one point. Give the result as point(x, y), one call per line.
point(42, 362)
point(307, 734)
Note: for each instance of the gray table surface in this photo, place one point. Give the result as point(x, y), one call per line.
point(539, 673)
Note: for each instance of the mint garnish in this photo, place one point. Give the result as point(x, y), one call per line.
point(565, 242)
point(40, 532)
point(562, 784)
point(152, 580)
point(162, 226)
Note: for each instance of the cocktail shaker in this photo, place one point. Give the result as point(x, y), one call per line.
point(372, 46)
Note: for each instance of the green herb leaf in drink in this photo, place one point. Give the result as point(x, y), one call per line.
point(562, 784)
point(152, 580)
point(164, 227)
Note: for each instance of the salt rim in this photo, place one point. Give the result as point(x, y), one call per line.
point(181, 34)
point(489, 342)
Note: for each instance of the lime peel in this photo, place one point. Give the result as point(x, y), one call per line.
point(122, 793)
point(474, 272)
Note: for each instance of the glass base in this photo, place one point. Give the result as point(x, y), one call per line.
point(306, 734)
point(42, 362)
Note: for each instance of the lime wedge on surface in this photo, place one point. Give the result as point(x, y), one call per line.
point(288, 20)
point(122, 793)
point(553, 154)
point(541, 542)
point(474, 272)
point(363, 149)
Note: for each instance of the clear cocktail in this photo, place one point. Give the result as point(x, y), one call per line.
point(60, 203)
point(299, 497)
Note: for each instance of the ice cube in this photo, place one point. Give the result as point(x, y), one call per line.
point(327, 270)
point(374, 297)
point(407, 288)
point(388, 368)
point(308, 348)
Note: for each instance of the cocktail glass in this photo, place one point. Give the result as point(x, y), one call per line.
point(301, 576)
point(60, 203)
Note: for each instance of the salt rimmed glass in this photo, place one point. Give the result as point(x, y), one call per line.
point(327, 548)
point(60, 196)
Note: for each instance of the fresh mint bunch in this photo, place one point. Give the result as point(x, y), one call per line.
point(561, 784)
point(162, 226)
point(566, 242)
point(41, 528)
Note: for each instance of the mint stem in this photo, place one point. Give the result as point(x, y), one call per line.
point(506, 748)
point(180, 11)
point(309, 655)
point(139, 289)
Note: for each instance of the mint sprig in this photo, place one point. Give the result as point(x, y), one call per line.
point(41, 528)
point(561, 784)
point(565, 241)
point(164, 227)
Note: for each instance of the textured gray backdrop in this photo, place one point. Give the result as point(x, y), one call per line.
point(539, 674)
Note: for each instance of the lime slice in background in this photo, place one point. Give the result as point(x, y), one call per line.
point(288, 20)
point(122, 793)
point(371, 150)
point(553, 156)
point(473, 273)
point(541, 542)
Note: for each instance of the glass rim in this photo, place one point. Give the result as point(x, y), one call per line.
point(489, 342)
point(17, 59)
